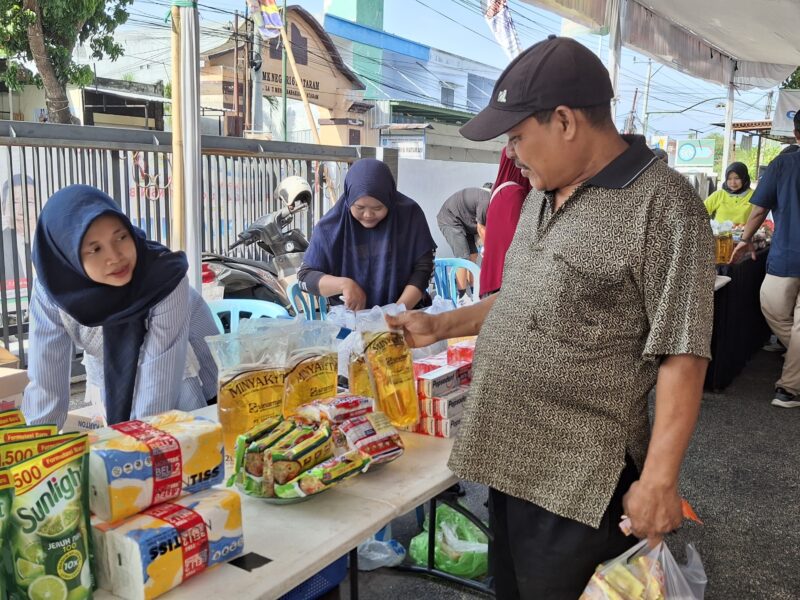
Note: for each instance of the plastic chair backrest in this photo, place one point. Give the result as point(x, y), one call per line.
point(313, 308)
point(444, 277)
point(252, 309)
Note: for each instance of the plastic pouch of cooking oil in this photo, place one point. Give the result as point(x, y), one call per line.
point(391, 368)
point(252, 372)
point(313, 365)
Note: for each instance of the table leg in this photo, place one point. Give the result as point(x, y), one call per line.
point(432, 534)
point(354, 574)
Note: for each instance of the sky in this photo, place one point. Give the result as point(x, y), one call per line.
point(457, 26)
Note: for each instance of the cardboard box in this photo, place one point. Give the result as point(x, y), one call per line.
point(443, 428)
point(430, 363)
point(87, 418)
point(444, 380)
point(445, 407)
point(8, 360)
point(12, 384)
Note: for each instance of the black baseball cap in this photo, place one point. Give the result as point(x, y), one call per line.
point(554, 72)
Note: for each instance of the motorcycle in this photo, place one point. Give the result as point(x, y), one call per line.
point(285, 246)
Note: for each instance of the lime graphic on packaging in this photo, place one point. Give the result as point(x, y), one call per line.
point(47, 531)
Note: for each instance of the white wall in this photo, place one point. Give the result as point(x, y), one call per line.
point(431, 182)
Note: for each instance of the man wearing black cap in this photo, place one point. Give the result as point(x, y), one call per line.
point(607, 292)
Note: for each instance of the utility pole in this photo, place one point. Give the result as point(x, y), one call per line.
point(630, 125)
point(283, 74)
point(258, 93)
point(236, 69)
point(696, 133)
point(647, 96)
point(246, 75)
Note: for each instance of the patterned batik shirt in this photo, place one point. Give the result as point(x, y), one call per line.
point(594, 296)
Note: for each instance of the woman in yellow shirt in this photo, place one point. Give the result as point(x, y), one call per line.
point(732, 202)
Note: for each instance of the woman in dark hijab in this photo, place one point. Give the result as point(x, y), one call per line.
point(732, 202)
point(102, 286)
point(373, 247)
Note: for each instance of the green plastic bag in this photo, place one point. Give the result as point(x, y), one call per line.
point(461, 548)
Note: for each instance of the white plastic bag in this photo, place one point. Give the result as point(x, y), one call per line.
point(648, 574)
point(440, 305)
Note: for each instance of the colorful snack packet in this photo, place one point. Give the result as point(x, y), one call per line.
point(251, 458)
point(11, 418)
point(336, 410)
point(325, 475)
point(373, 435)
point(50, 550)
point(298, 451)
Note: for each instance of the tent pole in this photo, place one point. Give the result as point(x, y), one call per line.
point(728, 146)
point(178, 240)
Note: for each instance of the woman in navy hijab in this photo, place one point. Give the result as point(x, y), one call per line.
point(373, 247)
point(102, 286)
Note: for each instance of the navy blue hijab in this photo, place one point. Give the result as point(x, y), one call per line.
point(382, 259)
point(120, 311)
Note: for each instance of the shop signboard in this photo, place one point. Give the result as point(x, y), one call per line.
point(695, 153)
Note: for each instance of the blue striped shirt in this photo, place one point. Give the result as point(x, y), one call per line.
point(175, 371)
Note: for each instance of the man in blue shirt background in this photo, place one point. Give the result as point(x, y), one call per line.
point(779, 191)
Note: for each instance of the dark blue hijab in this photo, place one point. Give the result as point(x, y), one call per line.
point(381, 260)
point(121, 311)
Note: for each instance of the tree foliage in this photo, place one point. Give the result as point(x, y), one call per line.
point(793, 81)
point(45, 33)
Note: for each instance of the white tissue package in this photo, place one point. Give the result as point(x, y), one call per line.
point(138, 464)
point(154, 552)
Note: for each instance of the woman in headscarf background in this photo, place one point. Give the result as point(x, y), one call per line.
point(732, 202)
point(508, 193)
point(102, 286)
point(374, 247)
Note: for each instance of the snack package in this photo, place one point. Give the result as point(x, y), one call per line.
point(251, 449)
point(325, 475)
point(390, 365)
point(372, 434)
point(153, 552)
point(48, 545)
point(648, 574)
point(11, 418)
point(301, 449)
point(337, 409)
point(313, 365)
point(6, 493)
point(15, 452)
point(26, 432)
point(251, 373)
point(137, 464)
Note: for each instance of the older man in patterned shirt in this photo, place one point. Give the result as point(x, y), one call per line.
point(607, 292)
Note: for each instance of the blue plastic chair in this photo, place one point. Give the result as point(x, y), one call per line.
point(313, 308)
point(252, 309)
point(444, 277)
